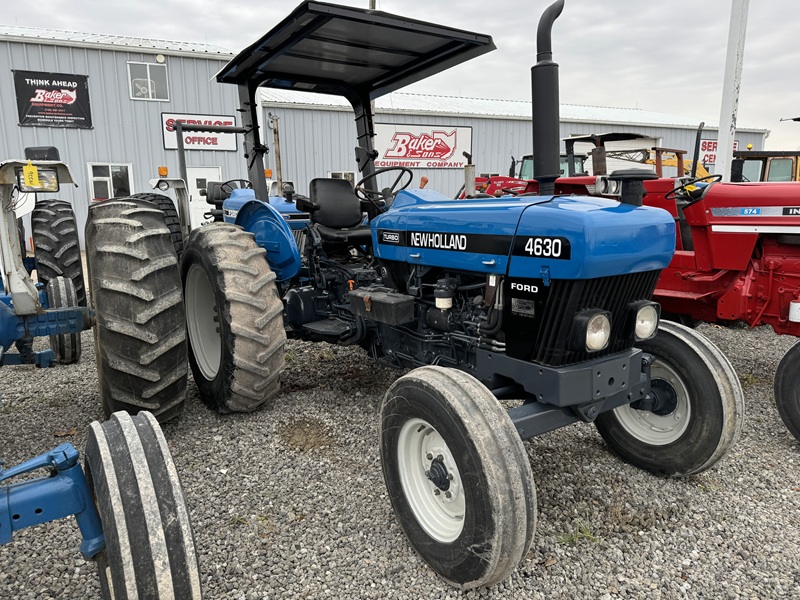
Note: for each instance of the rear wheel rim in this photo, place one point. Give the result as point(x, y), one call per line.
point(422, 455)
point(202, 320)
point(651, 428)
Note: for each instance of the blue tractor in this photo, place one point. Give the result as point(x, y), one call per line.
point(545, 299)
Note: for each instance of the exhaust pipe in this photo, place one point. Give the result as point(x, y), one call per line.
point(544, 81)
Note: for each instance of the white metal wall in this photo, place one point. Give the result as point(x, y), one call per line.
point(124, 130)
point(315, 141)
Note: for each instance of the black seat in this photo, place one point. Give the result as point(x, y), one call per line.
point(339, 216)
point(215, 194)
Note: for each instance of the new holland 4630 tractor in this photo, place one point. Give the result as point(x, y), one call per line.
point(541, 298)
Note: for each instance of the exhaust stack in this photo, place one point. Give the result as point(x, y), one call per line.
point(544, 81)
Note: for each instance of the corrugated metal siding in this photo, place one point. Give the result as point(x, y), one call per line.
point(125, 131)
point(315, 141)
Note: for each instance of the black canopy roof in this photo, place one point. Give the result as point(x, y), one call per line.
point(340, 50)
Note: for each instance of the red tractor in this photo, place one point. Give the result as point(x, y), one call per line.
point(737, 254)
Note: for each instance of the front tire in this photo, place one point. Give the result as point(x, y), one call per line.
point(67, 346)
point(457, 475)
point(700, 412)
point(234, 318)
point(56, 245)
point(150, 551)
point(140, 334)
point(787, 390)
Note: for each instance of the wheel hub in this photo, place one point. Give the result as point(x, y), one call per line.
point(438, 475)
point(665, 397)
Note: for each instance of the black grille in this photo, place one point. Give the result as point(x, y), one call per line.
point(566, 298)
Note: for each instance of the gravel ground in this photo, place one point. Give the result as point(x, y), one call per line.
point(289, 502)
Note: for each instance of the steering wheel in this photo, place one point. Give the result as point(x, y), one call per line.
point(228, 187)
point(374, 196)
point(683, 188)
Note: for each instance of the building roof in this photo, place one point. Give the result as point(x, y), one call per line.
point(404, 102)
point(58, 37)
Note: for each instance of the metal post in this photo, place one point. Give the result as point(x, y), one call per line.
point(276, 139)
point(731, 87)
point(249, 108)
point(181, 152)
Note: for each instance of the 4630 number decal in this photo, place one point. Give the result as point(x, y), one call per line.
point(542, 246)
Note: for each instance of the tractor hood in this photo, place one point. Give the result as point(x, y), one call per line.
point(547, 237)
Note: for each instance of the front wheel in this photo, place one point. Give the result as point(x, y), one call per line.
point(150, 551)
point(457, 475)
point(697, 413)
point(61, 294)
point(234, 318)
point(787, 390)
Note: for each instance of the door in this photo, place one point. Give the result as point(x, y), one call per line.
point(198, 178)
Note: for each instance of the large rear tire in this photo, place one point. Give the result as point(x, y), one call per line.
point(700, 407)
point(67, 346)
point(56, 244)
point(140, 334)
point(234, 318)
point(171, 218)
point(150, 551)
point(787, 390)
point(458, 476)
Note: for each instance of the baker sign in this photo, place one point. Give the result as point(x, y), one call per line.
point(194, 140)
point(708, 151)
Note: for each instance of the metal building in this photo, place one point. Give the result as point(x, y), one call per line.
point(106, 103)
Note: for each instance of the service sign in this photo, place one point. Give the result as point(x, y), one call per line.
point(422, 146)
point(708, 151)
point(198, 140)
point(52, 99)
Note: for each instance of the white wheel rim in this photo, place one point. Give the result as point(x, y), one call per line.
point(439, 512)
point(653, 429)
point(202, 322)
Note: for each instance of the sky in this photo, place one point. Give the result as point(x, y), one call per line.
point(623, 53)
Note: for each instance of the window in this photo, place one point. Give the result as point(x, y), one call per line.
point(751, 169)
point(110, 180)
point(349, 175)
point(148, 81)
point(780, 169)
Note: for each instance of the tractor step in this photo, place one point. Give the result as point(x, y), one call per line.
point(328, 327)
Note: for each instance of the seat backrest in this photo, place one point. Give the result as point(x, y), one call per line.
point(214, 192)
point(339, 207)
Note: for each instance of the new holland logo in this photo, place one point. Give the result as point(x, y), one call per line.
point(438, 144)
point(438, 241)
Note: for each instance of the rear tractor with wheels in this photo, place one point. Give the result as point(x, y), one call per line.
point(545, 299)
point(55, 307)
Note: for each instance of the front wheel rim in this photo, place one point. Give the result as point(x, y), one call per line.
point(431, 481)
point(651, 428)
point(202, 322)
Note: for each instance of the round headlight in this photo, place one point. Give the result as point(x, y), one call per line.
point(646, 322)
point(598, 332)
point(163, 185)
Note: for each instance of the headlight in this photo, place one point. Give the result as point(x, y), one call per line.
point(163, 185)
point(643, 320)
point(591, 331)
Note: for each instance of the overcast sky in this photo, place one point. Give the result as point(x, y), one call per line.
point(666, 56)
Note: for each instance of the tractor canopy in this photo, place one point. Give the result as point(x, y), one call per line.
point(356, 53)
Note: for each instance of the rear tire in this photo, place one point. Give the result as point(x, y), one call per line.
point(140, 334)
point(56, 245)
point(787, 390)
point(171, 218)
point(704, 414)
point(150, 550)
point(67, 346)
point(458, 476)
point(234, 318)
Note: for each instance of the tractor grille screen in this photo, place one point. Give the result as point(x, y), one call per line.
point(566, 298)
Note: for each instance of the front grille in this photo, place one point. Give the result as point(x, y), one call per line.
point(567, 297)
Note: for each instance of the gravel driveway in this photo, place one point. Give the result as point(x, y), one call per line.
point(289, 502)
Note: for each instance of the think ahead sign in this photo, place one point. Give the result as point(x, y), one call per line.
point(52, 99)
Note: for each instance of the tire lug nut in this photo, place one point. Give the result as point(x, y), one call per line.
point(436, 492)
point(440, 457)
point(428, 474)
point(448, 495)
point(429, 456)
point(450, 476)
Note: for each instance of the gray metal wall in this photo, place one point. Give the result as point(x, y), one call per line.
point(124, 130)
point(315, 141)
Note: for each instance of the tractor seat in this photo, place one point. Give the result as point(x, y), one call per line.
point(215, 194)
point(339, 217)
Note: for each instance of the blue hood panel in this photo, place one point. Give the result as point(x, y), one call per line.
point(567, 237)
